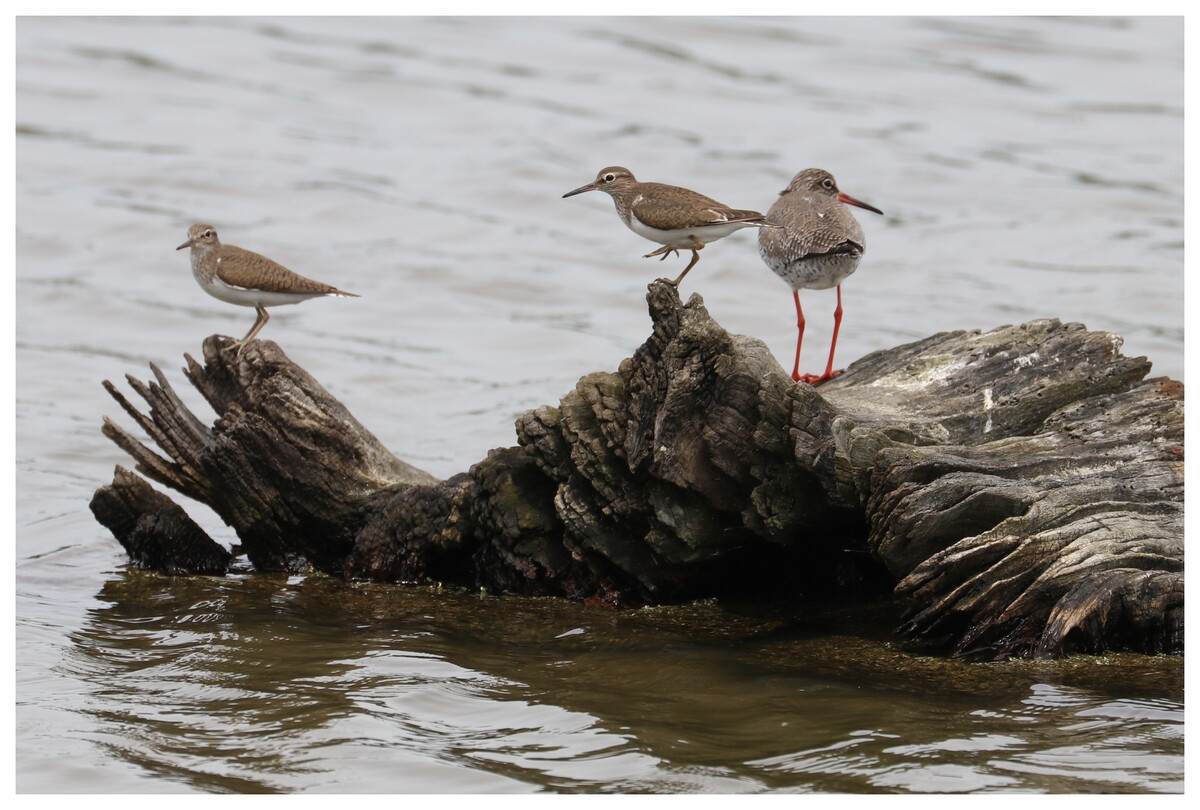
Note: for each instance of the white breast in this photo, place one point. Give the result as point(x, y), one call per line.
point(214, 286)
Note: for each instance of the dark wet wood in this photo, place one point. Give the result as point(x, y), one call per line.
point(1021, 489)
point(155, 532)
point(285, 464)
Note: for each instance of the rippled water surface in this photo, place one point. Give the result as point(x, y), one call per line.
point(1027, 168)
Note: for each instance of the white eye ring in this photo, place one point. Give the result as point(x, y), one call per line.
point(827, 183)
point(608, 178)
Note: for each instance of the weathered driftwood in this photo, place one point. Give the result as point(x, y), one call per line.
point(156, 533)
point(1022, 489)
point(285, 464)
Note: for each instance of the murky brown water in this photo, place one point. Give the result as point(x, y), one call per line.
point(309, 684)
point(1029, 168)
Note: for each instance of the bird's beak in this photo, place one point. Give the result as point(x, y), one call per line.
point(589, 187)
point(848, 200)
point(188, 243)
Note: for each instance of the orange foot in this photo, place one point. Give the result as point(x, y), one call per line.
point(814, 379)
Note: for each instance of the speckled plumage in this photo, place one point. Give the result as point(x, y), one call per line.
point(248, 279)
point(819, 242)
point(817, 245)
point(677, 218)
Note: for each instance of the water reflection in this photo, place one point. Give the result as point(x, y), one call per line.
point(273, 684)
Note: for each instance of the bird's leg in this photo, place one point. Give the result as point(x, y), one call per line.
point(259, 323)
point(695, 258)
point(799, 335)
point(665, 251)
point(837, 324)
point(813, 379)
point(691, 264)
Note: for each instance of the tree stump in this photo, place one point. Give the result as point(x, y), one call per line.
point(1021, 489)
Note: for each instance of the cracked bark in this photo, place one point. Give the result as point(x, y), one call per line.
point(1021, 489)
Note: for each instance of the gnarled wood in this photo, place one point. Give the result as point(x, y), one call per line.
point(1021, 488)
point(156, 533)
point(285, 464)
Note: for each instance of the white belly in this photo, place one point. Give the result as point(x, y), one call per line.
point(705, 233)
point(247, 298)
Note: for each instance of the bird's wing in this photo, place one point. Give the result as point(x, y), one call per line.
point(673, 213)
point(251, 271)
point(802, 234)
point(739, 215)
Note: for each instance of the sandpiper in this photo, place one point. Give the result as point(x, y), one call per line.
point(247, 279)
point(817, 246)
point(677, 218)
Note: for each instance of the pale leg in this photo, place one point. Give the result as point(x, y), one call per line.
point(695, 248)
point(259, 323)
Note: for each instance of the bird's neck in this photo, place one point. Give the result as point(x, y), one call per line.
point(204, 261)
point(623, 198)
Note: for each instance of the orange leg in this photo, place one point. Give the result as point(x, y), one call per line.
point(837, 324)
point(813, 379)
point(799, 336)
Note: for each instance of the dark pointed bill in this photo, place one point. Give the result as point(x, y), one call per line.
point(589, 187)
point(848, 200)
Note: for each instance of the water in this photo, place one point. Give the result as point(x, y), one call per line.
point(1028, 168)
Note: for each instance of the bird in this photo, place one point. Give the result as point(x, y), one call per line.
point(677, 218)
point(241, 277)
point(817, 245)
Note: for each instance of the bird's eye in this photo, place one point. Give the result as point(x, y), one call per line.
point(827, 183)
point(608, 178)
point(207, 234)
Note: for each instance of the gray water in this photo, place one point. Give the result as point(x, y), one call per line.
point(1028, 168)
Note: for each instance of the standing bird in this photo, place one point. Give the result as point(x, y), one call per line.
point(817, 247)
point(240, 277)
point(677, 218)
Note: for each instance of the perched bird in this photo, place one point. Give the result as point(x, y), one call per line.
point(677, 218)
point(247, 279)
point(817, 246)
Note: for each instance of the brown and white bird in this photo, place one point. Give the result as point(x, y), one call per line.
point(817, 246)
point(247, 279)
point(677, 218)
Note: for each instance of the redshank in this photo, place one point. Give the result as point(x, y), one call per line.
point(240, 277)
point(817, 246)
point(677, 218)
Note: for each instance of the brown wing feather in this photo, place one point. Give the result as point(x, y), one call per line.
point(249, 270)
point(804, 233)
point(671, 208)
